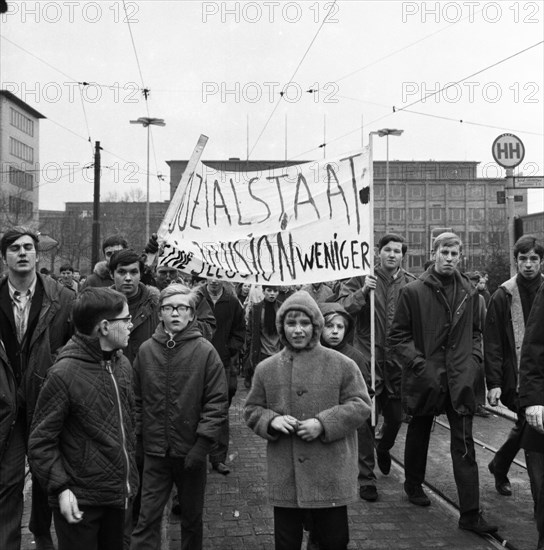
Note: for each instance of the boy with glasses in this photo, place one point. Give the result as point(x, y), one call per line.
point(181, 404)
point(81, 446)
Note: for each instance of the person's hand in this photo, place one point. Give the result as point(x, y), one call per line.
point(196, 457)
point(68, 507)
point(493, 396)
point(535, 417)
point(284, 423)
point(152, 245)
point(370, 284)
point(310, 429)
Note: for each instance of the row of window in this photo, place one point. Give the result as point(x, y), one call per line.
point(425, 172)
point(22, 122)
point(21, 179)
point(437, 214)
point(20, 206)
point(433, 190)
point(421, 239)
point(21, 150)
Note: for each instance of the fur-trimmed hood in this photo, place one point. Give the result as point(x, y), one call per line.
point(300, 301)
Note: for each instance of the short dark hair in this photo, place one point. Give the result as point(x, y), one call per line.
point(11, 235)
point(66, 267)
point(94, 304)
point(273, 287)
point(526, 243)
point(114, 240)
point(125, 257)
point(395, 238)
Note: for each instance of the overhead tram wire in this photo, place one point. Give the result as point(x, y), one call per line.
point(404, 48)
point(405, 108)
point(290, 80)
point(145, 90)
point(450, 85)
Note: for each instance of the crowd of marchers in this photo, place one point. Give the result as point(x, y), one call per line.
point(117, 390)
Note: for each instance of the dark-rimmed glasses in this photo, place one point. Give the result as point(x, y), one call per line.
point(126, 320)
point(167, 308)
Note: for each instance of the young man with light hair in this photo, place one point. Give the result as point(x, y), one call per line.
point(436, 336)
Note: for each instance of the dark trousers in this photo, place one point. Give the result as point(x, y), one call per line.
point(329, 527)
point(40, 513)
point(101, 528)
point(160, 473)
point(535, 469)
point(509, 449)
point(221, 447)
point(12, 480)
point(391, 410)
point(465, 468)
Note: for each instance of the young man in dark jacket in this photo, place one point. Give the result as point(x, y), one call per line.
point(509, 309)
point(34, 325)
point(82, 444)
point(531, 401)
point(436, 335)
point(354, 295)
point(181, 404)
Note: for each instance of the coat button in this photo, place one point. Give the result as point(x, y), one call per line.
point(300, 393)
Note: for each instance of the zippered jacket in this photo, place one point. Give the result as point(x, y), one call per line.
point(438, 346)
point(181, 391)
point(83, 436)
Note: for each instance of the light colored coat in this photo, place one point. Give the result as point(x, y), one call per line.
point(312, 383)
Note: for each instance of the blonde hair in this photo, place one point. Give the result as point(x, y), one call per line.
point(177, 288)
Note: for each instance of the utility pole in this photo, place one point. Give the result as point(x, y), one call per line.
point(96, 205)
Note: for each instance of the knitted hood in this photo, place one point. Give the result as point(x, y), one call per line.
point(300, 301)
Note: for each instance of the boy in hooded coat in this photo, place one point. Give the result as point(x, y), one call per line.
point(307, 401)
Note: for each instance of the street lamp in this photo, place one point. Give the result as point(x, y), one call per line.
point(146, 122)
point(387, 132)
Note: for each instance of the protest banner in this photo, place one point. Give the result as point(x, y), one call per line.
point(303, 223)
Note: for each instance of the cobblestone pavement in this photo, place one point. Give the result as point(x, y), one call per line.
point(237, 516)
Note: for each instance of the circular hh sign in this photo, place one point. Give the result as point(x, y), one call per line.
point(508, 150)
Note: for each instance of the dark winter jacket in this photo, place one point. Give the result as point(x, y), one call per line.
point(501, 351)
point(311, 383)
point(254, 325)
point(144, 319)
point(531, 387)
point(100, 277)
point(230, 334)
point(8, 399)
point(345, 348)
point(386, 297)
point(438, 347)
point(181, 391)
point(82, 435)
point(52, 329)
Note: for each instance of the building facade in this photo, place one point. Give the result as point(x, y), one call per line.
point(19, 162)
point(72, 228)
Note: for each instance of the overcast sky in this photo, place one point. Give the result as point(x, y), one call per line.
point(213, 66)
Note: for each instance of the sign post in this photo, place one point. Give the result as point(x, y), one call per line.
point(508, 151)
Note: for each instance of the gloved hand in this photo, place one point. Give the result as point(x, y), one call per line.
point(196, 456)
point(152, 245)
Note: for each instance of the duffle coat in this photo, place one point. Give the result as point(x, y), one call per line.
point(311, 383)
point(438, 345)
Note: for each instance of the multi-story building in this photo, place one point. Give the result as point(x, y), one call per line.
point(19, 161)
point(422, 197)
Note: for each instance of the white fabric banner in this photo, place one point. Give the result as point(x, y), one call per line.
point(305, 223)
